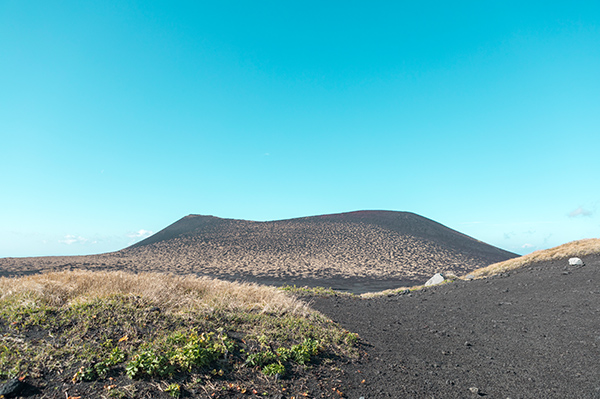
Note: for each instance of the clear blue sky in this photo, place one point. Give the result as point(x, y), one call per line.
point(118, 117)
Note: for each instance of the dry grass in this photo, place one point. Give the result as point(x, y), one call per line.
point(393, 291)
point(578, 248)
point(151, 329)
point(173, 293)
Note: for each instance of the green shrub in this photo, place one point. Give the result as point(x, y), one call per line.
point(149, 363)
point(87, 373)
point(351, 338)
point(198, 350)
point(303, 352)
point(174, 390)
point(116, 356)
point(274, 369)
point(261, 358)
point(183, 351)
point(101, 369)
point(284, 354)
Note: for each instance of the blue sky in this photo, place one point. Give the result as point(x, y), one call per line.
point(117, 117)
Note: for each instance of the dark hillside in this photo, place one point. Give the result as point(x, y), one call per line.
point(418, 226)
point(358, 251)
point(191, 224)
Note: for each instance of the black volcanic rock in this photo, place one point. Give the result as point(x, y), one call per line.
point(12, 388)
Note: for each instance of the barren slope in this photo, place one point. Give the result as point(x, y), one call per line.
point(356, 251)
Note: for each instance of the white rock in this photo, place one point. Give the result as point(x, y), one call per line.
point(436, 279)
point(576, 262)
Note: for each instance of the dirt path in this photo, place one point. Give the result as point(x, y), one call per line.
point(532, 334)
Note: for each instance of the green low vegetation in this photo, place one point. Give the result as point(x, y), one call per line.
point(313, 291)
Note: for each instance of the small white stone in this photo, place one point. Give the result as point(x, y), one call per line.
point(575, 262)
point(436, 279)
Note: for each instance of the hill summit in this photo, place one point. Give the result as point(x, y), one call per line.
point(358, 251)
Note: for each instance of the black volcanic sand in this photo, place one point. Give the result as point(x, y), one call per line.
point(531, 333)
point(354, 285)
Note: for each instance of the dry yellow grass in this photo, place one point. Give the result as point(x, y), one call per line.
point(394, 291)
point(173, 293)
point(578, 248)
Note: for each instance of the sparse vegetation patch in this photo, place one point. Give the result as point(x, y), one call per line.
point(121, 333)
point(313, 291)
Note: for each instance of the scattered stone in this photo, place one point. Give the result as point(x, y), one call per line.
point(474, 390)
point(576, 262)
point(437, 278)
point(470, 277)
point(12, 387)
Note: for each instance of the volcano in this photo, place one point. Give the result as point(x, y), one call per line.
point(356, 251)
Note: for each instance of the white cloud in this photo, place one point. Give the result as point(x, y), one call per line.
point(527, 245)
point(508, 236)
point(141, 234)
point(71, 239)
point(580, 211)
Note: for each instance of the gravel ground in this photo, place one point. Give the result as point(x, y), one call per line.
point(531, 333)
